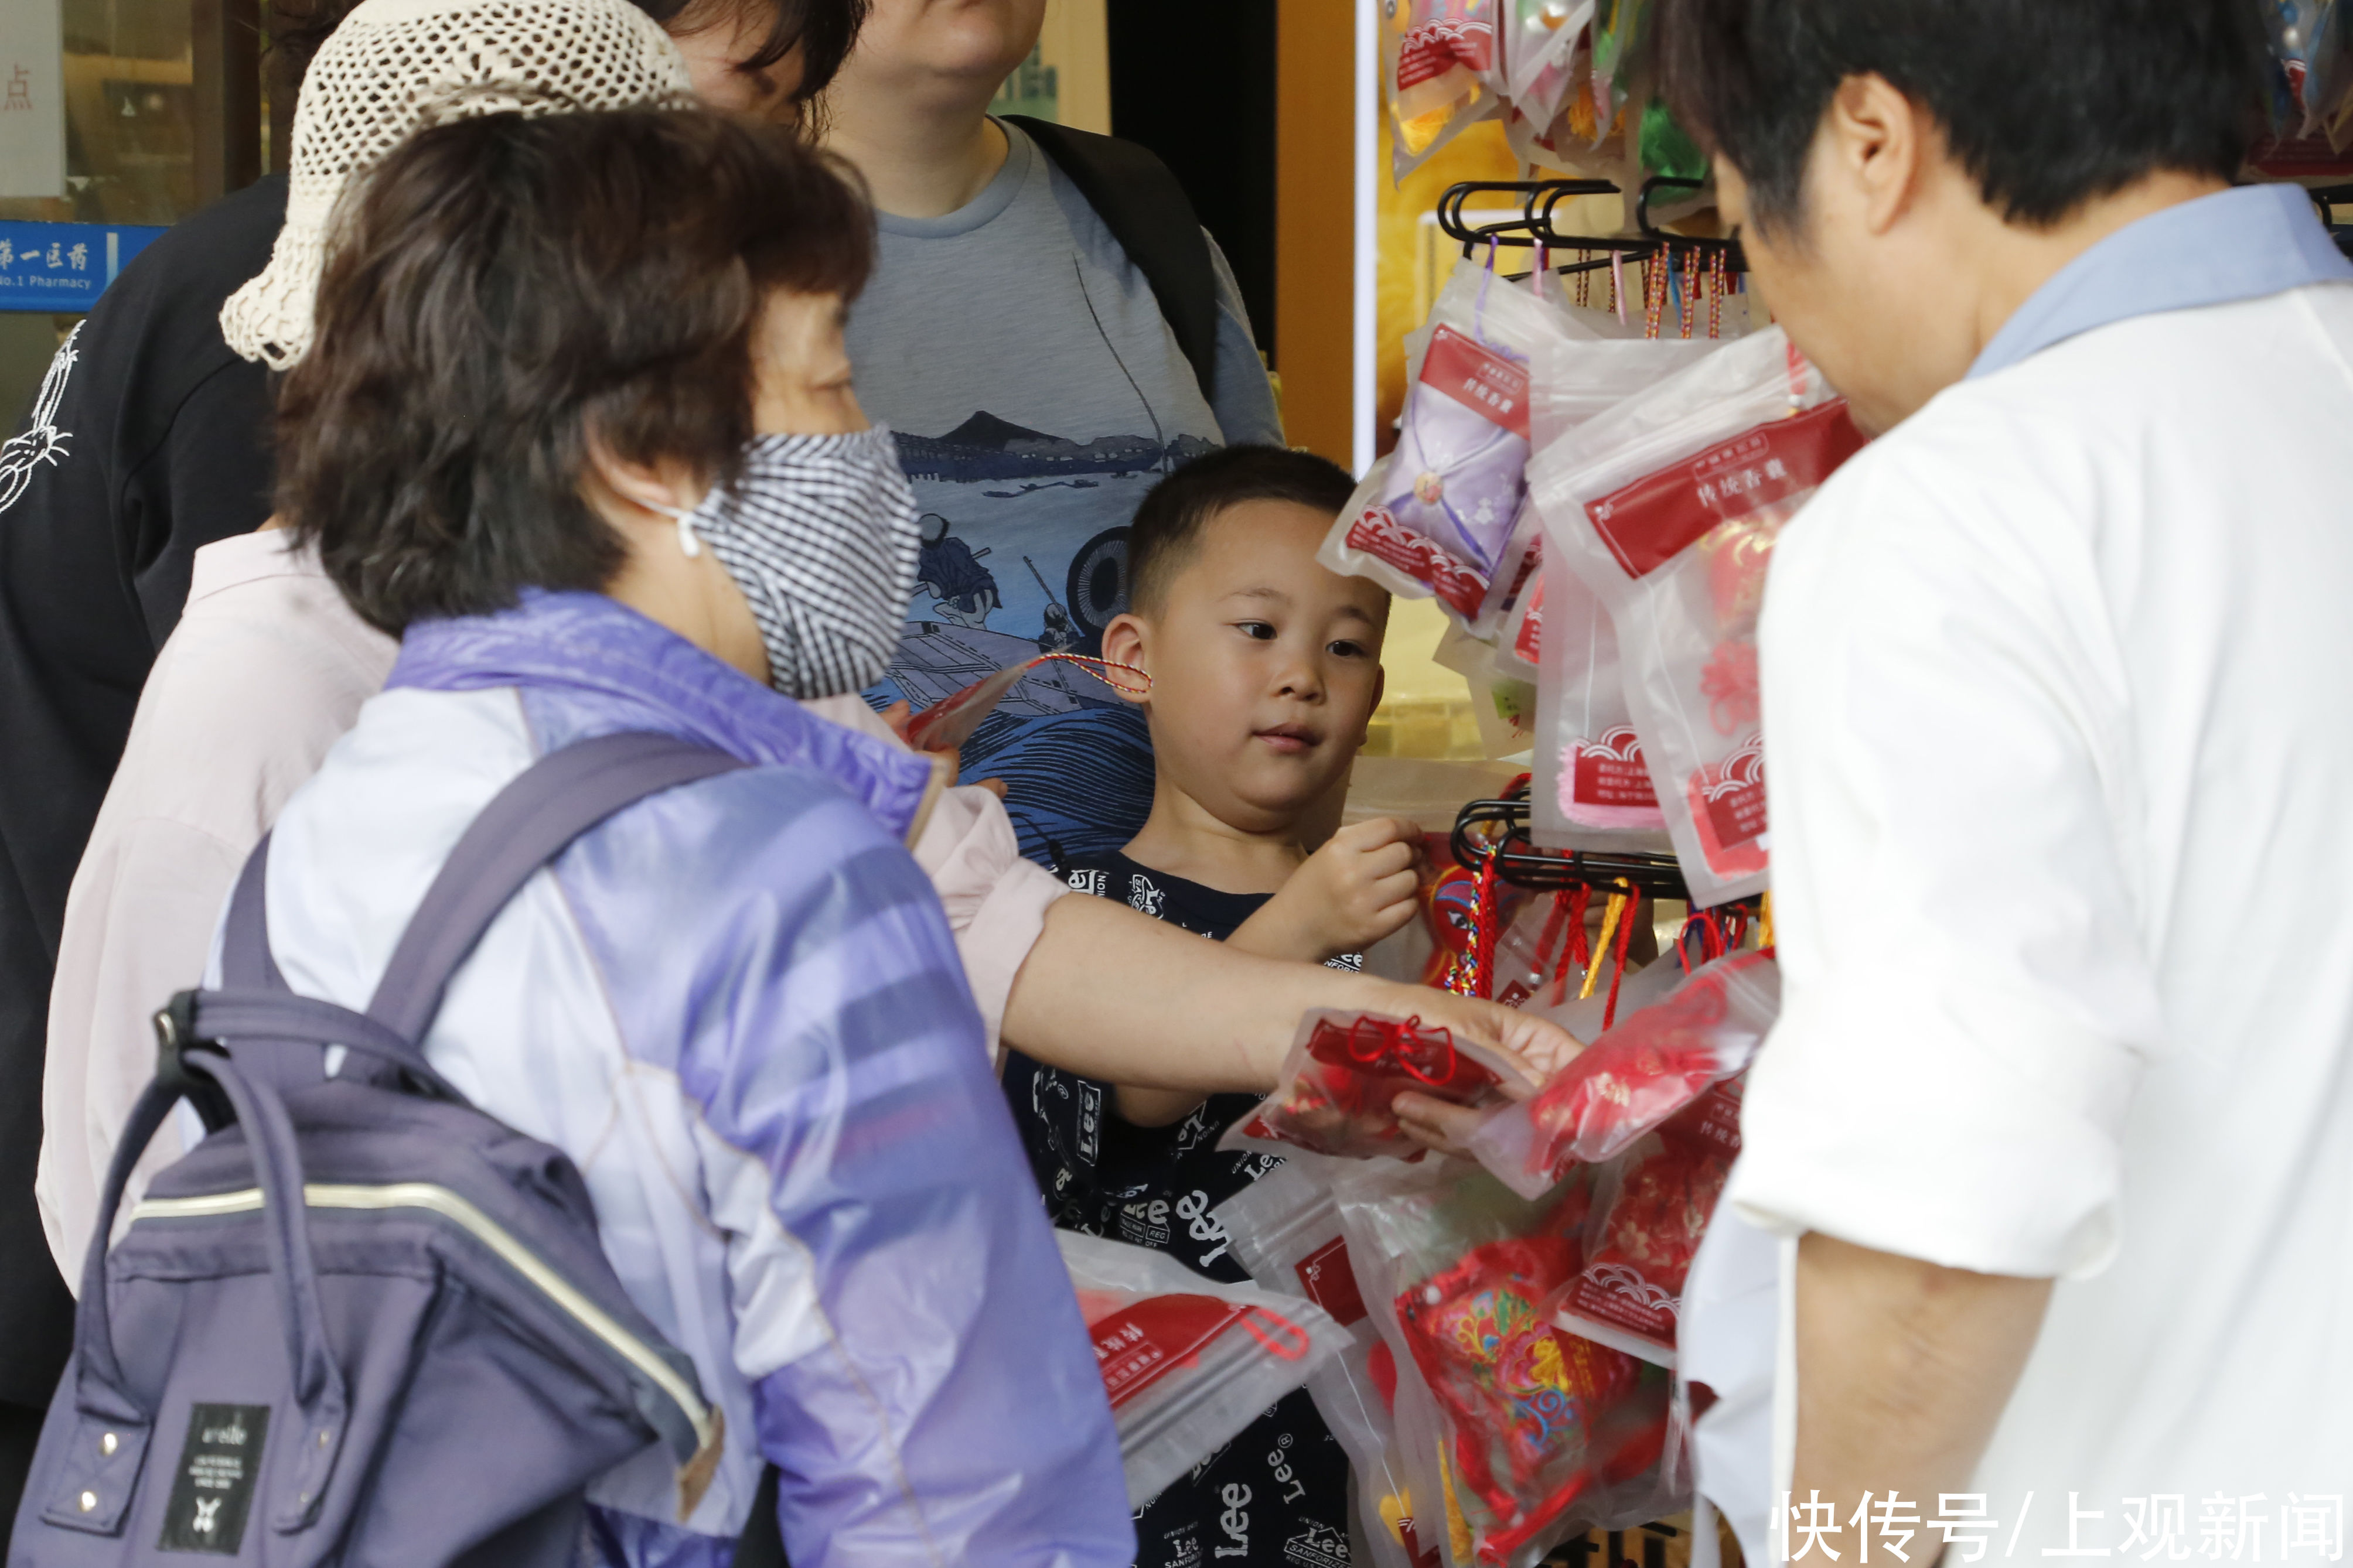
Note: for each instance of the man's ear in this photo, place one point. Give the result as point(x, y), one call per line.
point(1873, 141)
point(1380, 686)
point(1128, 640)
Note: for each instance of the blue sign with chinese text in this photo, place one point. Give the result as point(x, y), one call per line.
point(65, 267)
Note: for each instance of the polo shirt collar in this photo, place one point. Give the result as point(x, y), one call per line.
point(2245, 243)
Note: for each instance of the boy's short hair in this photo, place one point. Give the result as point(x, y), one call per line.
point(2047, 103)
point(1167, 526)
point(505, 286)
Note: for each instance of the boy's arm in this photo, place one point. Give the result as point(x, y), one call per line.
point(1357, 888)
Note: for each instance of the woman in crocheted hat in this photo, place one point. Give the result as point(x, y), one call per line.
point(151, 442)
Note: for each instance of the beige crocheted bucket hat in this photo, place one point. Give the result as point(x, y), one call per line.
point(394, 67)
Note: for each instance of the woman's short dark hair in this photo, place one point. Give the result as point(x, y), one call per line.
point(504, 287)
point(1166, 532)
point(823, 29)
point(2047, 103)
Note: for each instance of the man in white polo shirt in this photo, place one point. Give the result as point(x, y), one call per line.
point(2057, 1125)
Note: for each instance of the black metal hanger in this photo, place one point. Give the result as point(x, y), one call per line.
point(1540, 201)
point(1518, 861)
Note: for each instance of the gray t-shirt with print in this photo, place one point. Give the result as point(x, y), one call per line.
point(1038, 393)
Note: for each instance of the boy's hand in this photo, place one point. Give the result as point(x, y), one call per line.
point(1348, 895)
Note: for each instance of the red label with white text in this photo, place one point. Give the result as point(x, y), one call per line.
point(1331, 1283)
point(1727, 802)
point(1528, 641)
point(1432, 48)
point(1649, 522)
point(1612, 772)
point(1714, 1118)
point(1380, 535)
point(1479, 379)
point(1142, 1342)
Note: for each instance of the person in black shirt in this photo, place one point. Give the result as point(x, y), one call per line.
point(1265, 670)
point(150, 439)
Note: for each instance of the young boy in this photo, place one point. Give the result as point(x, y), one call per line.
point(1265, 668)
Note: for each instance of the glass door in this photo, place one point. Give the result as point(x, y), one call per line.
point(117, 119)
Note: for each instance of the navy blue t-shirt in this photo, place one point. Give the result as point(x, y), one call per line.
point(1154, 1186)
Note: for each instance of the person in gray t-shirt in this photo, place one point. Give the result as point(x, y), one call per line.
point(1037, 393)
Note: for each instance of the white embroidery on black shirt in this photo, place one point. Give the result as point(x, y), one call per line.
point(42, 441)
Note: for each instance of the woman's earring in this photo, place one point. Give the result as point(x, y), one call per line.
point(688, 544)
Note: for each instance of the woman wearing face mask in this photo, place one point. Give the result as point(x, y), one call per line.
point(578, 427)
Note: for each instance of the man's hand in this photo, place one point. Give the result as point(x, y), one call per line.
point(1537, 1046)
point(1348, 895)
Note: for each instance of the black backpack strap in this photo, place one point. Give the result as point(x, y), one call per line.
point(1153, 219)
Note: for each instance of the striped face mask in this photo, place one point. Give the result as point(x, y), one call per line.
point(821, 533)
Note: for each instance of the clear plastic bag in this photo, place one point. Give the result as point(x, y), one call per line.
point(1539, 1432)
point(1187, 1362)
point(1651, 1205)
point(1502, 702)
point(1539, 43)
point(1660, 1058)
point(1518, 572)
point(1285, 1230)
point(2306, 38)
point(1440, 67)
point(1343, 1074)
point(1437, 516)
point(1592, 789)
point(1668, 507)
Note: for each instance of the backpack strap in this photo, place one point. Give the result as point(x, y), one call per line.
point(247, 964)
point(1153, 219)
point(527, 824)
point(530, 822)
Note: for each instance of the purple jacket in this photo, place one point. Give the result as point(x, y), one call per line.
point(737, 1007)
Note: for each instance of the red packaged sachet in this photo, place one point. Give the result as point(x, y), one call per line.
point(1650, 1208)
point(1541, 1418)
point(1534, 1432)
point(1187, 1362)
point(1344, 1072)
point(1657, 1061)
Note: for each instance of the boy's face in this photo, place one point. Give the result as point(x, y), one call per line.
point(1265, 666)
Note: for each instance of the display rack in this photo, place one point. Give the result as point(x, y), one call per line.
point(1540, 204)
point(2328, 198)
point(1498, 829)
